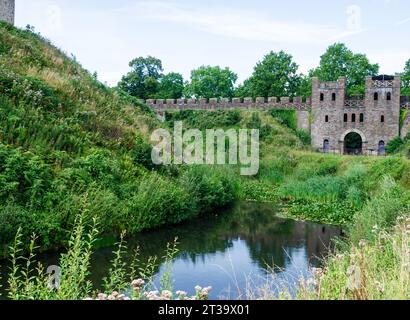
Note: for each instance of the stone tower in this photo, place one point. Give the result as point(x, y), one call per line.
point(356, 125)
point(7, 8)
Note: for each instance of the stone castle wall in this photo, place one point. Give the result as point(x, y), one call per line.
point(235, 103)
point(302, 106)
point(7, 8)
point(328, 115)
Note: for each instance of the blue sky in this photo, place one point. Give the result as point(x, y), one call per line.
point(105, 35)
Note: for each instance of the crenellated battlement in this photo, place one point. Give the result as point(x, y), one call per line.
point(297, 103)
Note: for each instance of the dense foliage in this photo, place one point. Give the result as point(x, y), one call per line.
point(211, 82)
point(146, 80)
point(339, 61)
point(275, 76)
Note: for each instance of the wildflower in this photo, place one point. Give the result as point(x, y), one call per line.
point(152, 295)
point(102, 296)
point(138, 283)
point(181, 293)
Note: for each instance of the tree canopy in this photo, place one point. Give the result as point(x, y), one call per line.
point(211, 82)
point(276, 75)
point(406, 79)
point(339, 61)
point(147, 81)
point(171, 86)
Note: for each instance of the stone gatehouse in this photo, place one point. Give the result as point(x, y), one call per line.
point(356, 125)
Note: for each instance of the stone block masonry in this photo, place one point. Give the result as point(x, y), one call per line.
point(7, 9)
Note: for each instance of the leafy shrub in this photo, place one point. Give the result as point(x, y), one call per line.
point(286, 117)
point(156, 202)
point(210, 189)
point(45, 225)
point(394, 145)
point(142, 153)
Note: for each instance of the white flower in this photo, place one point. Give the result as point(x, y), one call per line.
point(166, 294)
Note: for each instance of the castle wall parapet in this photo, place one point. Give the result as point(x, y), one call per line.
point(297, 103)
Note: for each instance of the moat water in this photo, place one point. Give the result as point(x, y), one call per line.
point(247, 246)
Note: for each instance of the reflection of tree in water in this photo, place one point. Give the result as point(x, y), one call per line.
point(266, 236)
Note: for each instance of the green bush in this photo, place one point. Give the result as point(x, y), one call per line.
point(46, 225)
point(156, 202)
point(286, 117)
point(142, 154)
point(210, 188)
point(394, 145)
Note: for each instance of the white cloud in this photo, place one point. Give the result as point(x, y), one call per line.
point(235, 23)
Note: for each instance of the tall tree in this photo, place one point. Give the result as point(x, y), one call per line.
point(211, 82)
point(275, 76)
point(405, 77)
point(171, 86)
point(143, 80)
point(339, 61)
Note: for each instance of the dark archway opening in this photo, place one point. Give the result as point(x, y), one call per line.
point(326, 146)
point(382, 148)
point(353, 144)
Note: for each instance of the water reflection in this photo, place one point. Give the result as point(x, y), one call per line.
point(231, 249)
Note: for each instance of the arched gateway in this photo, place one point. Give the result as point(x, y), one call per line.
point(353, 142)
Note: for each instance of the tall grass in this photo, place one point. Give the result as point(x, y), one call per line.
point(371, 270)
